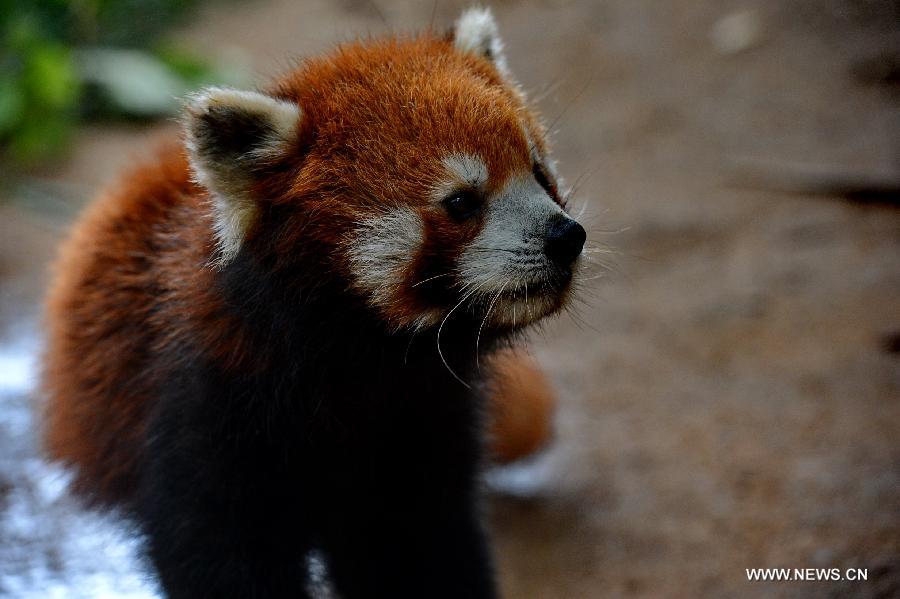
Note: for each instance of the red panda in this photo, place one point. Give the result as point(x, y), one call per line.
point(265, 342)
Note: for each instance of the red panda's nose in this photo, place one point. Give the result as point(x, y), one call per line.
point(564, 241)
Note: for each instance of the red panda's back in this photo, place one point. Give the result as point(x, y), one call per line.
point(107, 285)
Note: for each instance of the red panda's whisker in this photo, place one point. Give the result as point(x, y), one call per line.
point(481, 248)
point(486, 316)
point(569, 104)
point(547, 90)
point(583, 178)
point(515, 315)
point(527, 305)
point(467, 295)
point(446, 274)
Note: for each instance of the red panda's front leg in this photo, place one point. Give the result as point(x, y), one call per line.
point(219, 520)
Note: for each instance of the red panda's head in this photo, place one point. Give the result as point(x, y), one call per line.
point(409, 169)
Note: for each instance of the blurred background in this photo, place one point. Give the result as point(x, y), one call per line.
point(730, 387)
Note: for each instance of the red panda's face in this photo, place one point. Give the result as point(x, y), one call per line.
point(481, 236)
point(418, 167)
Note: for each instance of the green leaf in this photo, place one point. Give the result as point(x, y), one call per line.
point(49, 77)
point(12, 104)
point(41, 137)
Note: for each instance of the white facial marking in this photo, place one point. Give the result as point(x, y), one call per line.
point(463, 171)
point(508, 254)
point(381, 251)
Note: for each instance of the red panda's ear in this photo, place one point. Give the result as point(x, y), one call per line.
point(475, 32)
point(231, 137)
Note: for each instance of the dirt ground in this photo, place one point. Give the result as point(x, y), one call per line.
point(730, 388)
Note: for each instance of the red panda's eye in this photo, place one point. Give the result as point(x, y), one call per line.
point(462, 204)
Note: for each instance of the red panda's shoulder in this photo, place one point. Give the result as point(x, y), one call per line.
point(150, 188)
point(123, 224)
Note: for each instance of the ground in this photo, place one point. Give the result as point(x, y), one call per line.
point(729, 388)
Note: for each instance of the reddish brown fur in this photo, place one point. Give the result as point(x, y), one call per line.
point(141, 253)
point(346, 91)
point(521, 403)
point(96, 413)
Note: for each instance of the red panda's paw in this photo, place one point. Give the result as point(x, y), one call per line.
point(521, 404)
